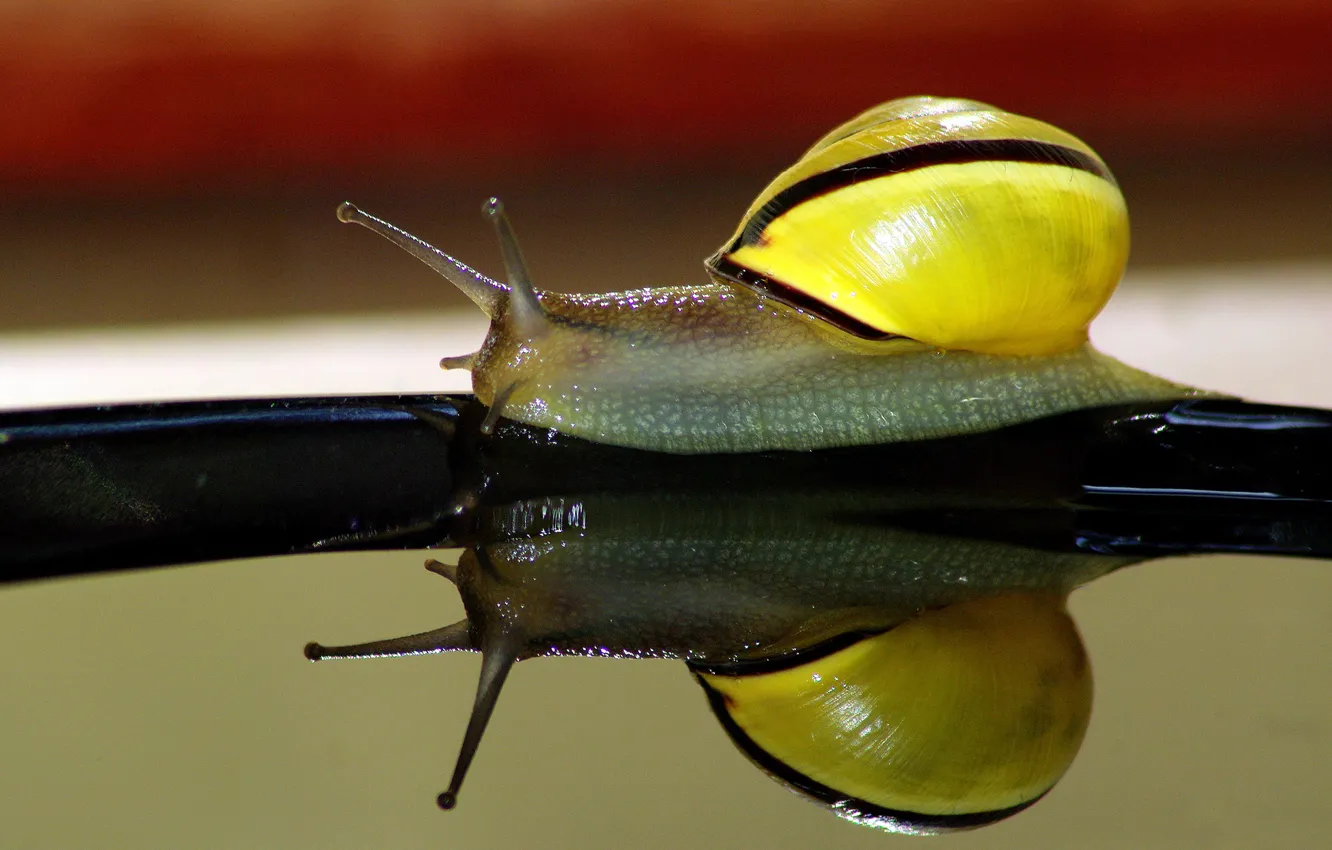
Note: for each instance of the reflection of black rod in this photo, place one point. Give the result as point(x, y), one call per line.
point(94, 489)
point(1211, 476)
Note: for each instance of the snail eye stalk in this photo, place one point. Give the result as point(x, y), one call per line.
point(484, 292)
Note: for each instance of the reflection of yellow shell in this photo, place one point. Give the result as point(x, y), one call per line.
point(959, 717)
point(945, 220)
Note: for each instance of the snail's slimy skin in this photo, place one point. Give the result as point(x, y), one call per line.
point(717, 368)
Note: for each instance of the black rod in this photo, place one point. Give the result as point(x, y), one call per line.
point(86, 490)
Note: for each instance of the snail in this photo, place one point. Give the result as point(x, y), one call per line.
point(929, 268)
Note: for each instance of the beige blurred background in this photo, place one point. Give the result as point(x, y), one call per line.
point(171, 173)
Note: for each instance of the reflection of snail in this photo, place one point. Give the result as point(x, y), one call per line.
point(763, 592)
point(928, 268)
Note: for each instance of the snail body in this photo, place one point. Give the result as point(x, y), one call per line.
point(927, 269)
point(718, 368)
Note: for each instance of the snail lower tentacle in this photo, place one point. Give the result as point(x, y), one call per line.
point(496, 409)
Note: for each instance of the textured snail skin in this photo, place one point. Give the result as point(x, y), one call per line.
point(716, 368)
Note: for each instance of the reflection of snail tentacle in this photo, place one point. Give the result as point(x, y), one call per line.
point(499, 647)
point(496, 660)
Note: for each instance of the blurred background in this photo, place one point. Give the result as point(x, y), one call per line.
point(170, 171)
point(166, 161)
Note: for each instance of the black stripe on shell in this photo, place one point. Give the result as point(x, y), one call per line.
point(910, 159)
point(722, 266)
